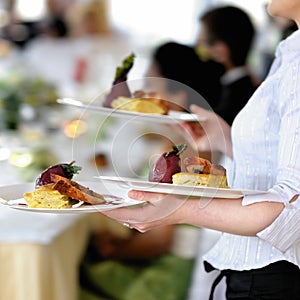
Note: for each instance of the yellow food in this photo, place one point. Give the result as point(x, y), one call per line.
point(142, 105)
point(194, 179)
point(46, 197)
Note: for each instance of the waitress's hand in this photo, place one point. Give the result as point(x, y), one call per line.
point(211, 135)
point(161, 210)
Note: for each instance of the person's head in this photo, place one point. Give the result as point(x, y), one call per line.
point(95, 18)
point(289, 9)
point(56, 27)
point(227, 34)
point(188, 74)
point(88, 18)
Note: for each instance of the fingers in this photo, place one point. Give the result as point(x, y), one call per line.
point(146, 196)
point(210, 116)
point(193, 130)
point(198, 138)
point(199, 110)
point(159, 208)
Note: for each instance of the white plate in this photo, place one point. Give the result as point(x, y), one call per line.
point(13, 195)
point(171, 118)
point(198, 191)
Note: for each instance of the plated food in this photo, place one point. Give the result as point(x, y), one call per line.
point(194, 171)
point(167, 164)
point(142, 103)
point(120, 96)
point(47, 197)
point(190, 177)
point(136, 105)
point(201, 172)
point(56, 192)
point(54, 188)
point(119, 85)
point(11, 196)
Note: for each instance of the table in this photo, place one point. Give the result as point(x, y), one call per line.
point(40, 254)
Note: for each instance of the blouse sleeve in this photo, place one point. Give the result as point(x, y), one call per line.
point(284, 232)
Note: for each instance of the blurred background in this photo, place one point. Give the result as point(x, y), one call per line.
point(52, 49)
point(143, 24)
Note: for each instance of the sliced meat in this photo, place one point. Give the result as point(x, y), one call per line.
point(203, 166)
point(76, 191)
point(197, 165)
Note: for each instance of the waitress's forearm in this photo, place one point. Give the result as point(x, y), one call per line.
point(228, 215)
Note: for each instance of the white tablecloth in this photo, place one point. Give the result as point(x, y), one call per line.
point(45, 270)
point(40, 253)
point(27, 227)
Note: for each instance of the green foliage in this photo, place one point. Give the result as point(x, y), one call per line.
point(17, 90)
point(121, 72)
point(71, 170)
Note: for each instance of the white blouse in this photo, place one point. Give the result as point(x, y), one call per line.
point(266, 148)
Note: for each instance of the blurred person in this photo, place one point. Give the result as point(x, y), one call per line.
point(178, 74)
point(54, 26)
point(89, 18)
point(188, 75)
point(99, 46)
point(20, 33)
point(226, 36)
point(259, 249)
point(16, 29)
point(51, 55)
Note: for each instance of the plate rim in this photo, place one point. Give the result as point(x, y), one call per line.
point(127, 202)
point(193, 190)
point(77, 210)
point(127, 114)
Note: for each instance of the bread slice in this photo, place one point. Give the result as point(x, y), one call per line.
point(142, 105)
point(194, 179)
point(45, 196)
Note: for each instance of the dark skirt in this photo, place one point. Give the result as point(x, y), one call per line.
point(277, 281)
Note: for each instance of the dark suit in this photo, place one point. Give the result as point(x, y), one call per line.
point(234, 96)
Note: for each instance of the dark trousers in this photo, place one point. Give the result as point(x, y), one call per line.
point(277, 281)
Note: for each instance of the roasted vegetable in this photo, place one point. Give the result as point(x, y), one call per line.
point(65, 170)
point(120, 86)
point(167, 165)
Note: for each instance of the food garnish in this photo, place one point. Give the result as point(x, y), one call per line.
point(62, 169)
point(168, 164)
point(119, 86)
